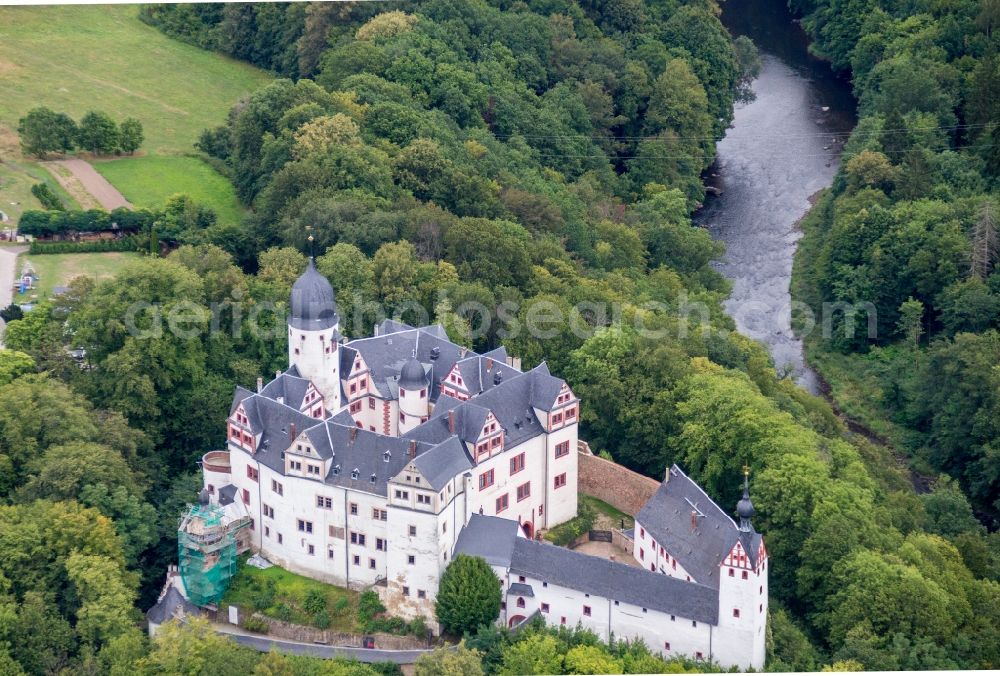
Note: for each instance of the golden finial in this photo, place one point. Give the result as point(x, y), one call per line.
point(746, 470)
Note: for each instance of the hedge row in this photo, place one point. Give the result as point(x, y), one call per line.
point(47, 197)
point(131, 243)
point(48, 223)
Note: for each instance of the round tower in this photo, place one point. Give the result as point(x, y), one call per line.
point(414, 390)
point(313, 334)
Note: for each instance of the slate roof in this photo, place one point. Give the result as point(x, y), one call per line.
point(270, 422)
point(520, 589)
point(479, 371)
point(442, 462)
point(497, 541)
point(167, 607)
point(512, 403)
point(313, 306)
point(613, 580)
point(700, 550)
point(386, 353)
point(489, 537)
point(227, 495)
point(412, 375)
point(351, 448)
point(291, 389)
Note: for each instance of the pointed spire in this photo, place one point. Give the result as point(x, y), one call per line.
point(744, 508)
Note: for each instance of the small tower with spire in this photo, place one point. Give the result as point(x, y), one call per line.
point(744, 508)
point(314, 335)
point(743, 588)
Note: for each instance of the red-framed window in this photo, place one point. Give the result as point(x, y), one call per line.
point(246, 497)
point(252, 473)
point(562, 449)
point(560, 480)
point(586, 611)
point(502, 502)
point(486, 479)
point(517, 463)
point(524, 491)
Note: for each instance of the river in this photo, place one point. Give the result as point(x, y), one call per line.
point(780, 150)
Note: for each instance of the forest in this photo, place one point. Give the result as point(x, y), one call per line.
point(506, 153)
point(910, 226)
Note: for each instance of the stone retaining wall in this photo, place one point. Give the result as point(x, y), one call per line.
point(618, 486)
point(298, 632)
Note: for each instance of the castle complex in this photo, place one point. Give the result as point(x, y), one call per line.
point(372, 462)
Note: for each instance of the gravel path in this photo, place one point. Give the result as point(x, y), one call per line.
point(83, 174)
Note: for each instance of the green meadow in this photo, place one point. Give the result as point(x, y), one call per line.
point(75, 58)
point(149, 181)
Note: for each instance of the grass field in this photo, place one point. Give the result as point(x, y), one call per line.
point(58, 269)
point(148, 181)
point(16, 179)
point(75, 58)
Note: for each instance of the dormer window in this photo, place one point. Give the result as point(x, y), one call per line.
point(372, 477)
point(355, 473)
point(336, 469)
point(386, 456)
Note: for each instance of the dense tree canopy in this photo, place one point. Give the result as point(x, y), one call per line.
point(910, 227)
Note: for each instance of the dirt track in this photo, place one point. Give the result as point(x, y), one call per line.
point(78, 176)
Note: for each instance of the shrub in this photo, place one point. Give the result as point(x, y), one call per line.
point(341, 605)
point(263, 596)
point(321, 620)
point(418, 627)
point(131, 243)
point(47, 197)
point(315, 601)
point(369, 605)
point(256, 624)
point(283, 612)
point(566, 533)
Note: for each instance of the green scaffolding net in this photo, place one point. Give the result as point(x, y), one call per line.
point(206, 553)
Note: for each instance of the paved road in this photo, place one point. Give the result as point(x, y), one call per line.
point(105, 193)
point(8, 261)
point(264, 644)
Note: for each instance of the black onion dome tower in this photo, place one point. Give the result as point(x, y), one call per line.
point(412, 375)
point(314, 307)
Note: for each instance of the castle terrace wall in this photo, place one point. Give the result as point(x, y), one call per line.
point(618, 486)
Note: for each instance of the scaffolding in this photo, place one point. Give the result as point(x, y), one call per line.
point(207, 552)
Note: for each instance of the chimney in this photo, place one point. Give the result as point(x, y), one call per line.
point(260, 384)
point(277, 374)
point(694, 520)
point(497, 377)
point(413, 448)
point(291, 431)
point(489, 363)
point(451, 422)
point(354, 434)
